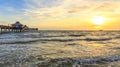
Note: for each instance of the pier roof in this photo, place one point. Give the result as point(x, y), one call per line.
point(17, 24)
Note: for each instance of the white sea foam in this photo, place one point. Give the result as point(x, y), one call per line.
point(59, 47)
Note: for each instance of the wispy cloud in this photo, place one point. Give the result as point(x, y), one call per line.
point(60, 8)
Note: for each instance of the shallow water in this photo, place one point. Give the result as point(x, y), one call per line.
point(60, 49)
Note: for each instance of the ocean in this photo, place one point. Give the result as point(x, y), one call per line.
point(60, 49)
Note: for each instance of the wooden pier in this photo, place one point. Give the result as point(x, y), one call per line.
point(4, 29)
point(17, 28)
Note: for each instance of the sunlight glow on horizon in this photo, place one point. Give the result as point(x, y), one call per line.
point(99, 20)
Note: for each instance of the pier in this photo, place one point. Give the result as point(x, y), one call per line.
point(16, 27)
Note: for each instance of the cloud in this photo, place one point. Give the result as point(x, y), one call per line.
point(60, 8)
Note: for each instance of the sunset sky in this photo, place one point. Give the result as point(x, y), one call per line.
point(62, 14)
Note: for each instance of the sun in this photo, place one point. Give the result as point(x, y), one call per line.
point(99, 20)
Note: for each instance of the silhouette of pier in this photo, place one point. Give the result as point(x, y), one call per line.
point(16, 27)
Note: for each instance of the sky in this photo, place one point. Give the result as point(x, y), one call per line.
point(61, 14)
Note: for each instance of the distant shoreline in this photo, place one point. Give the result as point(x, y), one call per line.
point(83, 30)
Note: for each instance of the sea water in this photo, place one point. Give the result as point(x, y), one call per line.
point(60, 49)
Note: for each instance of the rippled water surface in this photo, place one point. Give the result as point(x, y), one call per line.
point(60, 49)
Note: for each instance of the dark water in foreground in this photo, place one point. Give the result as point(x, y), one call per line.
point(60, 49)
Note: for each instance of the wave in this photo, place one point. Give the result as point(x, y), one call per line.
point(40, 61)
point(59, 40)
point(50, 36)
point(117, 37)
point(76, 35)
point(98, 39)
point(19, 41)
point(68, 62)
point(32, 40)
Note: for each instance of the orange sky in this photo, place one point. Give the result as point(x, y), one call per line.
point(64, 14)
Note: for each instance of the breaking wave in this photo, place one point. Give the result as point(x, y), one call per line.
point(79, 61)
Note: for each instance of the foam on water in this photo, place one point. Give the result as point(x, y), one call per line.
point(56, 48)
